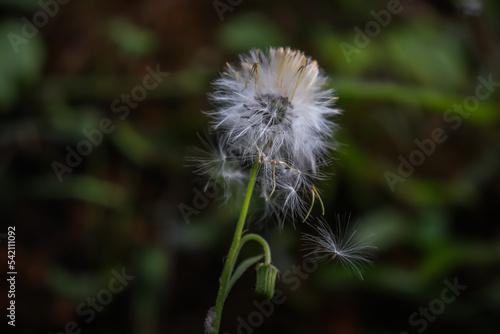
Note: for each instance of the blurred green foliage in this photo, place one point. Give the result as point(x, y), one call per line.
point(119, 206)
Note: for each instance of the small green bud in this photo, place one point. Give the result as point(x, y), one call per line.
point(266, 279)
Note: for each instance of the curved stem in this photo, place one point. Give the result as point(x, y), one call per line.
point(260, 240)
point(233, 251)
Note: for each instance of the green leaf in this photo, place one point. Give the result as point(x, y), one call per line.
point(132, 39)
point(81, 187)
point(241, 269)
point(21, 61)
point(133, 144)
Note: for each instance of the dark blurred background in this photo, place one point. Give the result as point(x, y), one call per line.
point(75, 76)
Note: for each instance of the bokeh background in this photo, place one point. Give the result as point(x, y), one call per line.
point(118, 209)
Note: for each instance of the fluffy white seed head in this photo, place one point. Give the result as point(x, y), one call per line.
point(278, 102)
point(272, 107)
point(339, 244)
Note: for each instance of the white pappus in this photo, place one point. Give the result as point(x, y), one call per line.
point(339, 244)
point(274, 107)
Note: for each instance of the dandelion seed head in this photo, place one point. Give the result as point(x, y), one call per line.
point(276, 100)
point(271, 107)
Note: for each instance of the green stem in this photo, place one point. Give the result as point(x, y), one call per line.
point(231, 256)
point(260, 240)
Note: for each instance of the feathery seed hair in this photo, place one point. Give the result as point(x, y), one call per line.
point(340, 243)
point(274, 107)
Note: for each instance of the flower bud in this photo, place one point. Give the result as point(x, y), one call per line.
point(266, 279)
